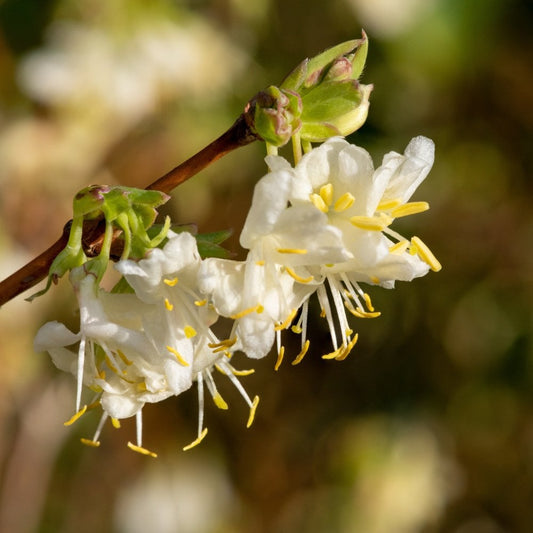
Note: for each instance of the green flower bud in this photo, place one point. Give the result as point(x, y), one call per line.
point(274, 115)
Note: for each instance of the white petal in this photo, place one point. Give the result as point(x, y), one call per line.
point(53, 335)
point(120, 405)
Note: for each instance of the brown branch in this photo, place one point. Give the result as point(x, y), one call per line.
point(37, 269)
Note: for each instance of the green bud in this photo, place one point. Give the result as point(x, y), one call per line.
point(274, 115)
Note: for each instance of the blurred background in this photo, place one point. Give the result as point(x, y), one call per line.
point(428, 425)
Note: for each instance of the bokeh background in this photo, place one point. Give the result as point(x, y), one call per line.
point(428, 425)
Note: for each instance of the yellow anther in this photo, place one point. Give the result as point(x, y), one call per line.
point(251, 417)
point(426, 254)
point(141, 386)
point(75, 416)
point(378, 223)
point(296, 329)
point(115, 422)
point(140, 449)
point(200, 303)
point(256, 309)
point(318, 202)
point(178, 356)
point(168, 305)
point(300, 251)
point(196, 441)
point(296, 277)
point(101, 374)
point(361, 313)
point(335, 354)
point(110, 364)
point(399, 247)
point(170, 282)
point(91, 443)
point(260, 263)
point(124, 359)
point(411, 208)
point(189, 331)
point(347, 349)
point(368, 302)
point(322, 313)
point(219, 401)
point(242, 372)
point(285, 324)
point(344, 202)
point(348, 332)
point(281, 353)
point(222, 345)
point(375, 279)
point(326, 193)
point(300, 356)
point(385, 205)
point(330, 265)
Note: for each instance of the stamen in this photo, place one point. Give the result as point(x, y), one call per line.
point(115, 422)
point(124, 359)
point(189, 331)
point(196, 441)
point(242, 372)
point(260, 263)
point(217, 398)
point(79, 373)
point(368, 301)
point(168, 305)
point(426, 254)
point(256, 309)
point(110, 364)
point(326, 193)
point(300, 356)
point(399, 247)
point(344, 202)
point(318, 202)
point(300, 251)
point(335, 354)
point(378, 223)
point(220, 402)
point(178, 356)
point(200, 303)
point(170, 282)
point(141, 450)
point(411, 208)
point(221, 346)
point(348, 349)
point(89, 442)
point(385, 205)
point(361, 313)
point(375, 279)
point(281, 353)
point(295, 276)
point(286, 322)
point(253, 408)
point(296, 329)
point(75, 416)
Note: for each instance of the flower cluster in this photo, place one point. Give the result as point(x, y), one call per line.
point(320, 227)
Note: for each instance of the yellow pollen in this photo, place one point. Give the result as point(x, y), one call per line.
point(296, 277)
point(260, 263)
point(300, 251)
point(170, 282)
point(300, 356)
point(196, 441)
point(200, 303)
point(296, 329)
point(110, 364)
point(115, 422)
point(219, 401)
point(368, 301)
point(89, 442)
point(326, 193)
point(75, 416)
point(141, 386)
point(178, 356)
point(385, 205)
point(344, 202)
point(347, 349)
point(411, 208)
point(124, 359)
point(335, 354)
point(222, 345)
point(399, 247)
point(322, 313)
point(168, 305)
point(375, 279)
point(285, 324)
point(348, 332)
point(318, 202)
point(426, 254)
point(140, 449)
point(280, 358)
point(330, 265)
point(189, 331)
point(257, 309)
point(251, 417)
point(378, 223)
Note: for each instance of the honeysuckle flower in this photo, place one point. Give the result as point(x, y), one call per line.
point(142, 348)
